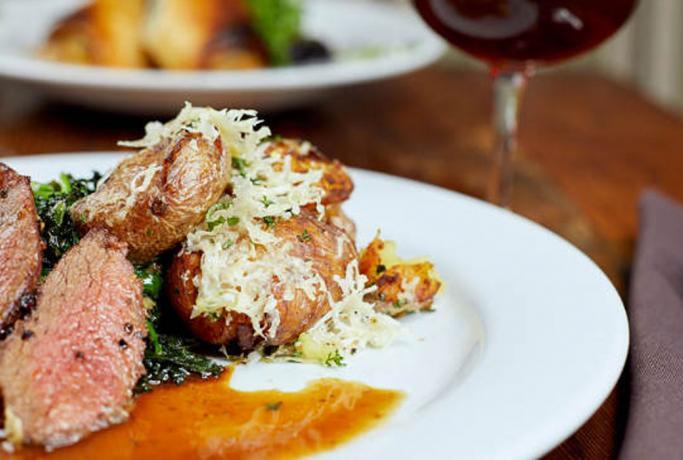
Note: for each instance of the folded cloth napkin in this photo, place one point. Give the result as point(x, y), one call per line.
point(654, 427)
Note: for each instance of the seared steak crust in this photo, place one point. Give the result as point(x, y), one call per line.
point(70, 368)
point(20, 248)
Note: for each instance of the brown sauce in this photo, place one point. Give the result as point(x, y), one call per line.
point(210, 420)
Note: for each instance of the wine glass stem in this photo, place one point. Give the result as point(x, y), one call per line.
point(508, 88)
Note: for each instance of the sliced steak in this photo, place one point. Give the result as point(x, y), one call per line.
point(70, 368)
point(20, 247)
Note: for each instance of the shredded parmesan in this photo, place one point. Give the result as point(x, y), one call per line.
point(237, 277)
point(140, 183)
point(245, 267)
point(351, 324)
point(238, 129)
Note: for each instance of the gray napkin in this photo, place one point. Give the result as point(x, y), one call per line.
point(654, 427)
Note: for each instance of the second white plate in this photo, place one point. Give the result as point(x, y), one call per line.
point(371, 41)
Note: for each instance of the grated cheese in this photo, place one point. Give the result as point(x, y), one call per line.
point(245, 267)
point(241, 279)
point(238, 129)
point(351, 324)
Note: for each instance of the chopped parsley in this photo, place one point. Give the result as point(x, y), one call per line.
point(213, 222)
point(334, 359)
point(304, 237)
point(266, 202)
point(240, 165)
point(273, 406)
point(269, 221)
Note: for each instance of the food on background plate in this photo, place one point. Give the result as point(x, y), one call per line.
point(238, 240)
point(183, 35)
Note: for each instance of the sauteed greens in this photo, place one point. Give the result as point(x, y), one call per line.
point(53, 200)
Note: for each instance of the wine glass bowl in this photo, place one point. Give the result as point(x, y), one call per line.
point(513, 37)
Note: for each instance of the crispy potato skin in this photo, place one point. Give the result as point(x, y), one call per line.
point(391, 279)
point(336, 181)
point(296, 316)
point(189, 175)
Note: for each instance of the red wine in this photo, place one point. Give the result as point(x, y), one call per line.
point(519, 32)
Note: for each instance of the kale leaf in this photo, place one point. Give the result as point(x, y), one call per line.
point(53, 201)
point(278, 24)
point(170, 355)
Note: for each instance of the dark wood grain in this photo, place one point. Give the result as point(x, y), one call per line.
point(589, 147)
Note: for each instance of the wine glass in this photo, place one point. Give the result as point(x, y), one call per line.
point(514, 37)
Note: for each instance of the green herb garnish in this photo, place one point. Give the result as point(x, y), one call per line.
point(53, 202)
point(304, 236)
point(266, 202)
point(170, 355)
point(269, 221)
point(273, 406)
point(240, 165)
point(278, 23)
point(152, 281)
point(334, 359)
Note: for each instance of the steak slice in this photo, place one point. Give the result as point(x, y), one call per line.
point(70, 368)
point(20, 248)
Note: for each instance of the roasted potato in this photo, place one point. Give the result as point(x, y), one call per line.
point(153, 199)
point(311, 240)
point(336, 181)
point(105, 32)
point(402, 286)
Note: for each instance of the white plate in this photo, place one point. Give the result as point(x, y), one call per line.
point(527, 340)
point(348, 27)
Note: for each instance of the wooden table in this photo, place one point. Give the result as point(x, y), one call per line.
point(589, 148)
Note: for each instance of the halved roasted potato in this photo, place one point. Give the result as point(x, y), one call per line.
point(153, 199)
point(402, 286)
point(329, 250)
